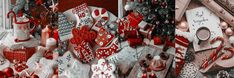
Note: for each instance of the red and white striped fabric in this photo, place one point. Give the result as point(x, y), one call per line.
point(182, 40)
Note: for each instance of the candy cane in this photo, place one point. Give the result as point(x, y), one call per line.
point(215, 54)
point(230, 49)
point(14, 15)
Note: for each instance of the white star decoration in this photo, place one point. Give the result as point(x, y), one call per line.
point(54, 6)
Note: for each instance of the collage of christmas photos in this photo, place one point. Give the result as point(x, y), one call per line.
point(116, 38)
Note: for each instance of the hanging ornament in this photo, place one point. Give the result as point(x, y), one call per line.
point(228, 31)
point(223, 25)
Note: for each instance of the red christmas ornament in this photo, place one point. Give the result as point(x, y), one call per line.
point(144, 75)
point(9, 72)
point(157, 41)
point(35, 76)
point(2, 74)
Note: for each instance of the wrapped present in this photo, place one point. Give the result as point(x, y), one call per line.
point(104, 52)
point(180, 8)
point(83, 14)
point(148, 32)
point(19, 54)
point(134, 18)
point(219, 11)
point(143, 25)
point(85, 52)
point(135, 41)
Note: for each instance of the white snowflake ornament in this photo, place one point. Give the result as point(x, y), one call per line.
point(103, 69)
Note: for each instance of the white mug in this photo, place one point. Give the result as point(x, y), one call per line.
point(21, 26)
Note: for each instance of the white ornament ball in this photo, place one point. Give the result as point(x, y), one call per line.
point(231, 40)
point(50, 42)
point(127, 7)
point(183, 26)
point(223, 25)
point(228, 31)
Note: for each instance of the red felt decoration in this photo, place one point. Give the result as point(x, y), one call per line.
point(19, 54)
point(82, 34)
point(85, 52)
point(103, 37)
point(104, 52)
point(20, 66)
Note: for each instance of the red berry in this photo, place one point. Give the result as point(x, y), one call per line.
point(96, 12)
point(9, 72)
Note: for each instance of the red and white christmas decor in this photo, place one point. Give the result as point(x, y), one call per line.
point(215, 54)
point(83, 15)
point(98, 13)
point(20, 66)
point(157, 64)
point(85, 52)
point(147, 32)
point(103, 69)
point(19, 54)
point(104, 52)
point(82, 34)
point(103, 37)
point(134, 18)
point(182, 40)
point(21, 27)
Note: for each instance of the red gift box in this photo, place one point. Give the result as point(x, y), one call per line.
point(19, 54)
point(135, 18)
